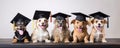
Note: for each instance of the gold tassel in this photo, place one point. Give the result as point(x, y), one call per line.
point(50, 18)
point(13, 25)
point(68, 21)
point(33, 24)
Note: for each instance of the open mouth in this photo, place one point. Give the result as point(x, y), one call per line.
point(99, 28)
point(80, 29)
point(20, 32)
point(42, 26)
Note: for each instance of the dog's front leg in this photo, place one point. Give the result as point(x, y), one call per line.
point(66, 39)
point(86, 39)
point(74, 39)
point(92, 36)
point(34, 39)
point(103, 37)
point(56, 39)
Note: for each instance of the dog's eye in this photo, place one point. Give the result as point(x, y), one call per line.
point(96, 21)
point(39, 20)
point(101, 21)
point(77, 22)
point(45, 20)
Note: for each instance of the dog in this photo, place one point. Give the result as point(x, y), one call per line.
point(41, 33)
point(80, 31)
point(60, 31)
point(98, 31)
point(21, 34)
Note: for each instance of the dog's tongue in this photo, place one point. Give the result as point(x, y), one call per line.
point(42, 26)
point(60, 28)
point(99, 28)
point(20, 32)
point(80, 30)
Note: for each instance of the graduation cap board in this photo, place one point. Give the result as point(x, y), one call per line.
point(100, 16)
point(62, 16)
point(41, 14)
point(20, 17)
point(80, 16)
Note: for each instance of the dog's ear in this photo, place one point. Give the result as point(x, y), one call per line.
point(92, 21)
point(105, 21)
point(88, 22)
point(73, 21)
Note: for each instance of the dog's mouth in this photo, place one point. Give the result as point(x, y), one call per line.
point(60, 27)
point(99, 28)
point(43, 26)
point(20, 32)
point(80, 28)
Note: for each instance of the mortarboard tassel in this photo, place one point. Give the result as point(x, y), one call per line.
point(50, 18)
point(13, 25)
point(33, 24)
point(107, 22)
point(68, 21)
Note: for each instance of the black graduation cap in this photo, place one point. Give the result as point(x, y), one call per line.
point(80, 16)
point(60, 16)
point(41, 14)
point(20, 17)
point(99, 15)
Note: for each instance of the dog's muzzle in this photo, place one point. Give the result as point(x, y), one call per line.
point(99, 27)
point(80, 28)
point(43, 26)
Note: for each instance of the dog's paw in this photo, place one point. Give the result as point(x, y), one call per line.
point(67, 41)
point(86, 41)
point(91, 42)
point(55, 41)
point(34, 41)
point(14, 41)
point(26, 41)
point(74, 41)
point(47, 41)
point(104, 41)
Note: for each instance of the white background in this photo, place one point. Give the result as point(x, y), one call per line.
point(9, 8)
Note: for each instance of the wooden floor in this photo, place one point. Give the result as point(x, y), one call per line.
point(112, 43)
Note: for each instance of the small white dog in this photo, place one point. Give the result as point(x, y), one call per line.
point(98, 30)
point(40, 32)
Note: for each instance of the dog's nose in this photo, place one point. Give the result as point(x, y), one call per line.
point(99, 24)
point(42, 23)
point(60, 24)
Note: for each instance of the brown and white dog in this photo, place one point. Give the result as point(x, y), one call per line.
point(61, 32)
point(80, 31)
point(98, 31)
point(41, 33)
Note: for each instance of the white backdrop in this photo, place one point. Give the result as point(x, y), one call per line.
point(9, 8)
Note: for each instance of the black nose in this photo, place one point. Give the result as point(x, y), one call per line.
point(99, 24)
point(60, 24)
point(42, 23)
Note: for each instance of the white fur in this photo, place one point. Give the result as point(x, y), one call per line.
point(39, 33)
point(99, 33)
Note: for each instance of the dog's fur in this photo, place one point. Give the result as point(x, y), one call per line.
point(80, 31)
point(41, 33)
point(60, 31)
point(98, 31)
point(21, 35)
